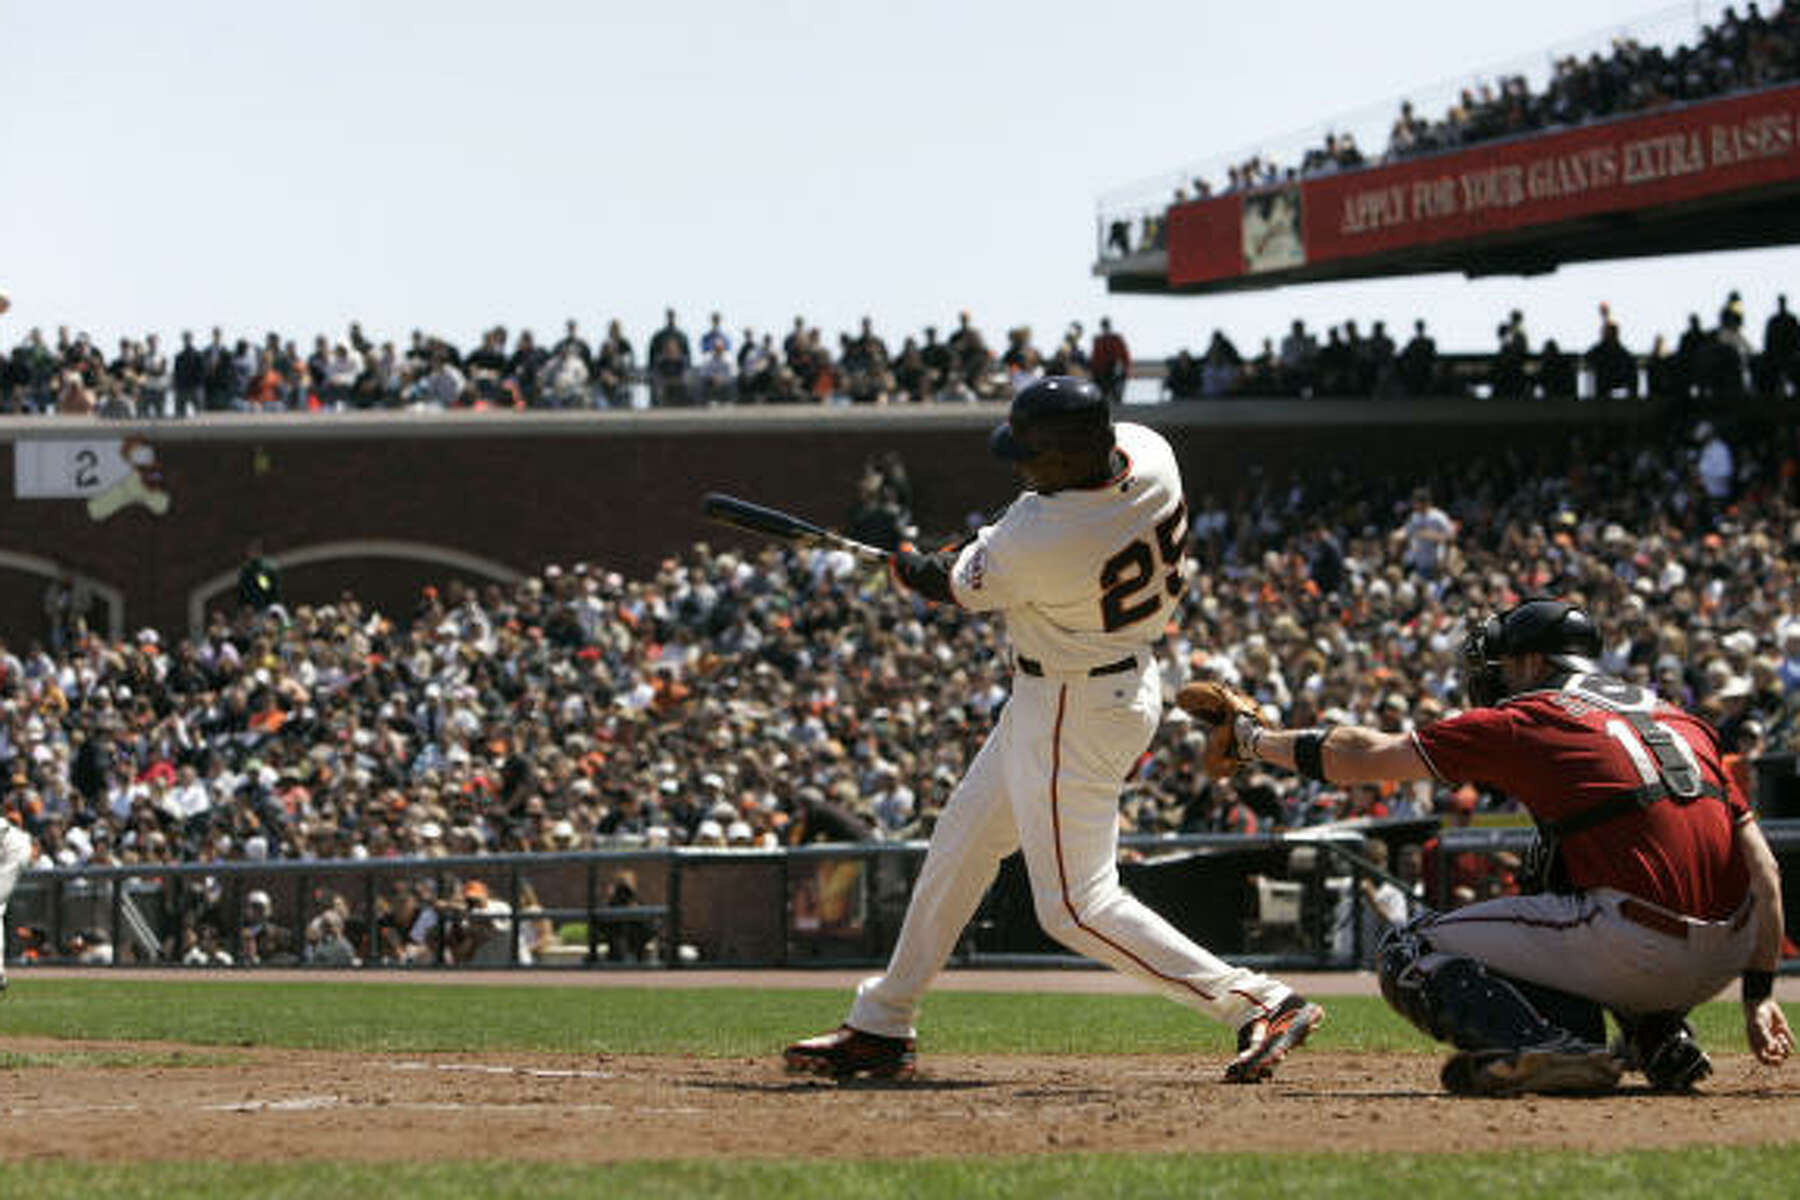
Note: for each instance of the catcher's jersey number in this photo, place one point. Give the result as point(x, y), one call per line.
point(1133, 570)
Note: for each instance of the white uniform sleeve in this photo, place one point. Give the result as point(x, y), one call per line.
point(986, 577)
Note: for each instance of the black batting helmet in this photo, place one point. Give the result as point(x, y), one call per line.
point(1060, 412)
point(1540, 625)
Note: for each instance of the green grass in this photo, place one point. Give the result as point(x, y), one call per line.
point(419, 1017)
point(388, 1017)
point(17, 1060)
point(1752, 1171)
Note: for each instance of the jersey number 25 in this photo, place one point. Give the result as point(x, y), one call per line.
point(1134, 569)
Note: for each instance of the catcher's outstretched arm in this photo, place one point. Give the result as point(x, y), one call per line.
point(1348, 753)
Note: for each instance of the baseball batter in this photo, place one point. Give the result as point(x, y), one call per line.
point(15, 854)
point(1660, 886)
point(1086, 565)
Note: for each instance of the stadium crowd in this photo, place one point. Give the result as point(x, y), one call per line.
point(1737, 53)
point(780, 698)
point(1710, 362)
point(70, 374)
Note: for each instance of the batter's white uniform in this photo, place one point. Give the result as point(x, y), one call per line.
point(1086, 579)
point(15, 855)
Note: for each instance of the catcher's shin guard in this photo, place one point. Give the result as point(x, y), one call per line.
point(1456, 999)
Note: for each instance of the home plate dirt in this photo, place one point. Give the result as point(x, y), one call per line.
point(283, 1105)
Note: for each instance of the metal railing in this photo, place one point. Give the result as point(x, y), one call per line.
point(1290, 901)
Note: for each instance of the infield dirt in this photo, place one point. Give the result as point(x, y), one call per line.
point(270, 1105)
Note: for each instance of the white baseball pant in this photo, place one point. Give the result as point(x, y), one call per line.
point(1047, 781)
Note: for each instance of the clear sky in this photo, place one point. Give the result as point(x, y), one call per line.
point(451, 165)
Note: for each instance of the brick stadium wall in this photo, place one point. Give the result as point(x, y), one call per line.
point(621, 490)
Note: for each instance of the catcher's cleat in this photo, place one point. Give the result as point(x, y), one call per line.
point(1263, 1041)
point(1516, 1072)
point(1664, 1049)
point(846, 1053)
point(1678, 1063)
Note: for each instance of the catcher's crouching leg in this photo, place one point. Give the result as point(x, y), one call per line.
point(1457, 999)
point(1509, 1045)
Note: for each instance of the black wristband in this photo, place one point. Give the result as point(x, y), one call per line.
point(1309, 753)
point(1758, 986)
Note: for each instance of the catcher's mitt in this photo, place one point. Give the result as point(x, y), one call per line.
point(1232, 719)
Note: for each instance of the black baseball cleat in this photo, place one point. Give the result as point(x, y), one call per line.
point(1264, 1041)
point(1678, 1063)
point(1662, 1046)
point(1541, 1071)
point(846, 1053)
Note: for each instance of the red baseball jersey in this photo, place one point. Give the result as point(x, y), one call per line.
point(1562, 752)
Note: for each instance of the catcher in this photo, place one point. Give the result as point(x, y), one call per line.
point(1657, 886)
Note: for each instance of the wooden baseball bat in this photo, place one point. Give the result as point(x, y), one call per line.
point(782, 526)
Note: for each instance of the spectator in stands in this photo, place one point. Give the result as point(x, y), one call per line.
point(1418, 363)
point(867, 375)
point(201, 948)
point(1509, 379)
point(573, 343)
point(1110, 362)
point(1377, 905)
point(970, 357)
point(715, 337)
point(1222, 367)
point(1714, 461)
point(626, 939)
point(669, 362)
point(33, 372)
point(1613, 368)
point(74, 398)
point(1778, 369)
point(914, 380)
point(221, 385)
point(326, 945)
point(1426, 536)
point(614, 365)
point(443, 387)
point(154, 378)
point(486, 366)
point(478, 927)
point(715, 379)
point(1184, 377)
point(1325, 561)
point(262, 942)
point(1299, 359)
point(1556, 373)
point(563, 380)
point(524, 367)
point(1118, 238)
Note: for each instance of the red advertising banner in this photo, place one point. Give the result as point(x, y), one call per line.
point(1206, 240)
point(1638, 163)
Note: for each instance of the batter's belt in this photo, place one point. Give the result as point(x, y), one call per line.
point(1031, 666)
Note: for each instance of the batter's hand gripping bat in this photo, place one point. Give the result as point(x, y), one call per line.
point(783, 527)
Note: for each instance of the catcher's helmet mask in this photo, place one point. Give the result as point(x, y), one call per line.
point(1058, 413)
point(1563, 633)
